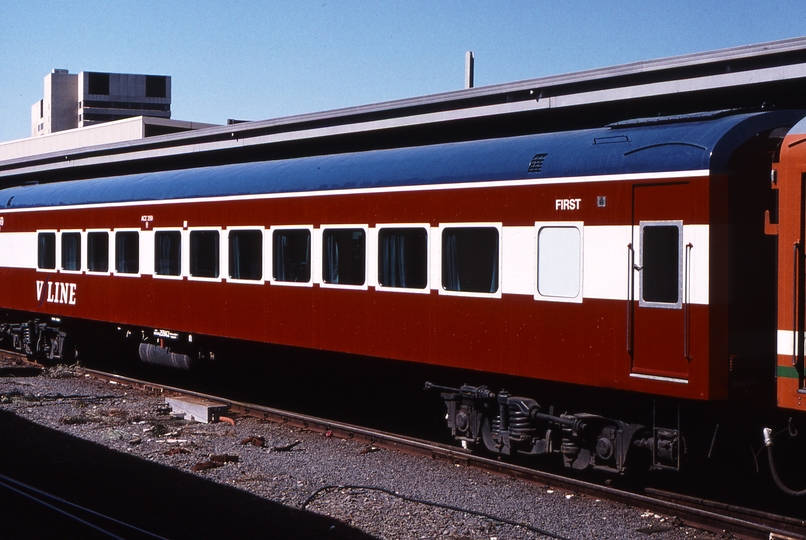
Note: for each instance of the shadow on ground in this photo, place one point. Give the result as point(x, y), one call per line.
point(166, 502)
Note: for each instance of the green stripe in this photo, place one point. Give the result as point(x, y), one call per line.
point(788, 372)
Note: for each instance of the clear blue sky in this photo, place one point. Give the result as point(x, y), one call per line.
point(253, 60)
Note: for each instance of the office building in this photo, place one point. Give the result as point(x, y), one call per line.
point(80, 100)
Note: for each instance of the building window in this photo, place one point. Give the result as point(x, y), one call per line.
point(127, 252)
point(98, 252)
point(246, 254)
point(156, 86)
point(403, 257)
point(103, 104)
point(343, 257)
point(46, 251)
point(98, 83)
point(291, 254)
point(71, 251)
point(167, 253)
point(559, 265)
point(204, 254)
point(470, 259)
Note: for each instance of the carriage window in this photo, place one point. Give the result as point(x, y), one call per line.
point(71, 251)
point(204, 254)
point(661, 249)
point(98, 252)
point(246, 254)
point(127, 252)
point(168, 253)
point(46, 251)
point(291, 250)
point(343, 257)
point(558, 262)
point(403, 257)
point(470, 259)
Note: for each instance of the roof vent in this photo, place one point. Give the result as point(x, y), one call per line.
point(536, 165)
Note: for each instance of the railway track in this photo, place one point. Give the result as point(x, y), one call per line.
point(708, 515)
point(71, 519)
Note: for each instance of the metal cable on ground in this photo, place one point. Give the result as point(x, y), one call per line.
point(5, 482)
point(538, 530)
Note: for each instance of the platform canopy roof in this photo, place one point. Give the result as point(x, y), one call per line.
point(755, 77)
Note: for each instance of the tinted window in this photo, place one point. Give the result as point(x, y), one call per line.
point(127, 252)
point(98, 252)
point(168, 253)
point(156, 86)
point(291, 253)
point(343, 257)
point(71, 251)
point(470, 259)
point(204, 254)
point(660, 250)
point(246, 254)
point(98, 83)
point(403, 258)
point(46, 250)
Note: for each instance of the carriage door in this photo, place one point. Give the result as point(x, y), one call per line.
point(659, 347)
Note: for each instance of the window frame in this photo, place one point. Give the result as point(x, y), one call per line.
point(437, 270)
point(56, 250)
point(376, 238)
point(182, 239)
point(113, 253)
point(680, 263)
point(321, 247)
point(109, 251)
point(222, 254)
point(269, 254)
point(262, 230)
point(81, 248)
point(580, 227)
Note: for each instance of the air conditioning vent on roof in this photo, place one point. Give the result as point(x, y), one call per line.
point(536, 164)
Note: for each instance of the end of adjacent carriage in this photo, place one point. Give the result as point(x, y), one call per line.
point(788, 178)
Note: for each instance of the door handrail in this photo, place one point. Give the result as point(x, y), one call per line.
point(686, 308)
point(795, 304)
point(630, 293)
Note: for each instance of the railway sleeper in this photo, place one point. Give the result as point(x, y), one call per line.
point(513, 425)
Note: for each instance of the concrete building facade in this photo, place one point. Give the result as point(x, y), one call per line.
point(88, 98)
point(57, 110)
point(101, 135)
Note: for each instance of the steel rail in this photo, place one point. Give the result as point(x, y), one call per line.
point(97, 521)
point(699, 513)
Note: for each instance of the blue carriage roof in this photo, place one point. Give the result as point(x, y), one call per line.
point(695, 142)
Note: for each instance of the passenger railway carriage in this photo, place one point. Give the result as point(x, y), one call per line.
point(625, 276)
point(633, 257)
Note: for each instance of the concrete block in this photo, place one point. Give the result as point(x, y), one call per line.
point(197, 409)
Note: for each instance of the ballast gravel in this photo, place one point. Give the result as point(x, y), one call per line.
point(382, 492)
